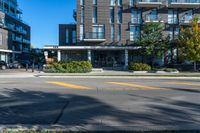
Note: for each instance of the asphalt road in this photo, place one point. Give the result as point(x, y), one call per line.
point(101, 104)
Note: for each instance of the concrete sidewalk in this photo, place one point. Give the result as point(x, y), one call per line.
point(17, 73)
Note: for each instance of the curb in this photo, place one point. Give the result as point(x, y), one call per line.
point(119, 77)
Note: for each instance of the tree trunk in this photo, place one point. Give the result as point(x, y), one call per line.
point(152, 63)
point(195, 66)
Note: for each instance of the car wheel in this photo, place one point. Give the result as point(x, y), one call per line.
point(3, 67)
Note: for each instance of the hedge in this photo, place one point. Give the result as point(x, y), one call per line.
point(139, 67)
point(69, 67)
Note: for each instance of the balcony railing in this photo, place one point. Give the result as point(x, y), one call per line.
point(151, 18)
point(185, 21)
point(94, 36)
point(184, 3)
point(148, 3)
point(26, 41)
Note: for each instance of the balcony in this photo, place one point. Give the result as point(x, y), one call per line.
point(26, 41)
point(152, 18)
point(185, 19)
point(148, 3)
point(184, 3)
point(94, 37)
point(18, 39)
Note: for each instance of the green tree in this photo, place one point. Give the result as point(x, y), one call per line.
point(189, 42)
point(153, 41)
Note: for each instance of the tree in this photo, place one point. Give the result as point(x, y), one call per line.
point(153, 41)
point(189, 42)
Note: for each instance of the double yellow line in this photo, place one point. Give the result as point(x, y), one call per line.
point(136, 86)
point(182, 83)
point(72, 86)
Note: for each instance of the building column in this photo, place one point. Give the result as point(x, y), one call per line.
point(90, 55)
point(59, 55)
point(13, 57)
point(126, 59)
point(46, 55)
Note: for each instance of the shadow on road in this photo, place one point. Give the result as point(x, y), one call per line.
point(37, 107)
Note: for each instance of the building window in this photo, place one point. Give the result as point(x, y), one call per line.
point(67, 36)
point(152, 16)
point(171, 29)
point(172, 16)
point(187, 17)
point(112, 15)
point(82, 15)
point(98, 32)
point(119, 33)
point(94, 2)
point(112, 32)
point(112, 2)
point(136, 16)
point(119, 16)
point(134, 33)
point(1, 39)
point(131, 2)
point(73, 36)
point(119, 2)
point(81, 32)
point(174, 33)
point(94, 17)
point(82, 2)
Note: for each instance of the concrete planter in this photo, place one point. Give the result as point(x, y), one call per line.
point(140, 72)
point(97, 70)
point(164, 72)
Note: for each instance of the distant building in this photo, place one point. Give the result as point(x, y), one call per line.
point(106, 30)
point(14, 33)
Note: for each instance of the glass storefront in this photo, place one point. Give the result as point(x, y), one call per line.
point(74, 56)
point(108, 58)
point(4, 57)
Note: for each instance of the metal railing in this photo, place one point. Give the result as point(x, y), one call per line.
point(151, 18)
point(149, 1)
point(94, 35)
point(185, 1)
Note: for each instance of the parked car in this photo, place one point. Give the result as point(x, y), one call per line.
point(15, 65)
point(3, 65)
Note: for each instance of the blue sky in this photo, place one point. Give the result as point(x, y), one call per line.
point(44, 16)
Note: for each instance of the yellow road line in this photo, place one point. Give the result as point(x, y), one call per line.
point(70, 85)
point(136, 85)
point(182, 83)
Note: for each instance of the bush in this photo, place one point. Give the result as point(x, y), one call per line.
point(69, 67)
point(139, 67)
point(166, 69)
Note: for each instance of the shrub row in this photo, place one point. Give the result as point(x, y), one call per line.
point(69, 67)
point(166, 69)
point(139, 67)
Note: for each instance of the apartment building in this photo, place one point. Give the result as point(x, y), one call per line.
point(106, 30)
point(14, 33)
